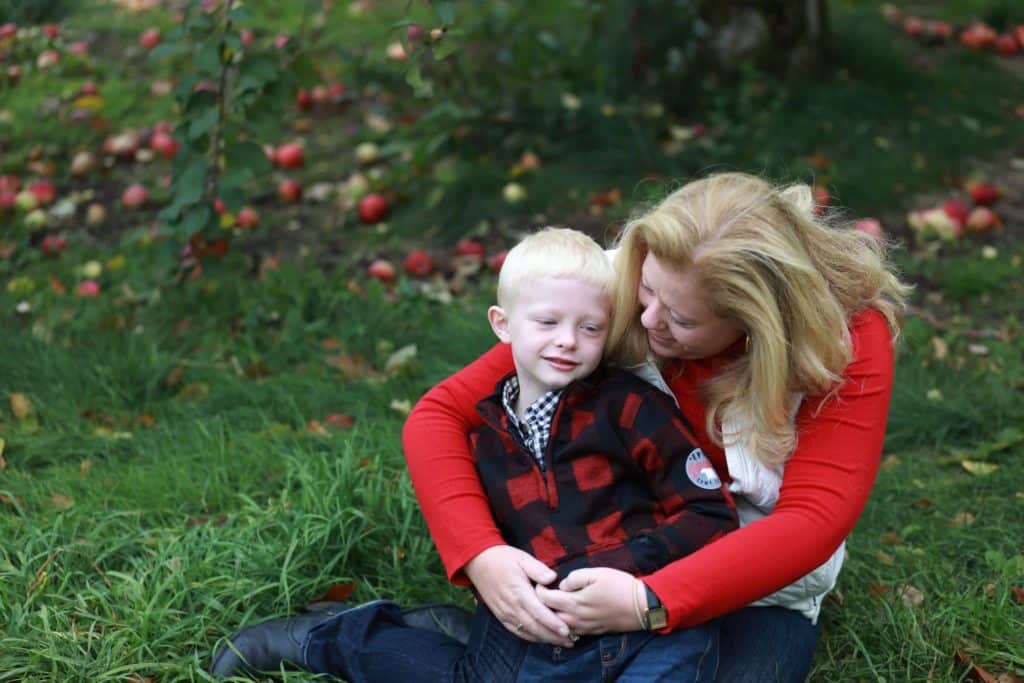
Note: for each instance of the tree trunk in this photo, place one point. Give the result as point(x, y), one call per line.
point(786, 37)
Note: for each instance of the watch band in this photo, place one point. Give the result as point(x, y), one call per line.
point(655, 617)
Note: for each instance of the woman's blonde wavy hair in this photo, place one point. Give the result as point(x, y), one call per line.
point(790, 279)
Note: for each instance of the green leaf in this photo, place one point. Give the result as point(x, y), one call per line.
point(414, 77)
point(202, 124)
point(445, 49)
point(207, 60)
point(189, 185)
point(233, 197)
point(445, 11)
point(201, 101)
point(247, 155)
point(195, 219)
point(240, 14)
point(167, 50)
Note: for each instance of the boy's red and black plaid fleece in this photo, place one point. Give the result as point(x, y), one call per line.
point(616, 493)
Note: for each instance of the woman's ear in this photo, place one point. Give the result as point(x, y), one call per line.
point(498, 319)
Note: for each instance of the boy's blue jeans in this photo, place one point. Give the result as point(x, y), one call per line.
point(371, 643)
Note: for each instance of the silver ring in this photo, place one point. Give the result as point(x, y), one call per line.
point(573, 636)
point(520, 627)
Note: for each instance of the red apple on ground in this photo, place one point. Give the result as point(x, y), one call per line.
point(981, 219)
point(496, 261)
point(469, 247)
point(247, 218)
point(88, 88)
point(53, 244)
point(164, 143)
point(1018, 33)
point(319, 94)
point(983, 193)
point(1006, 45)
point(43, 191)
point(373, 208)
point(88, 288)
point(8, 30)
point(82, 163)
point(290, 155)
point(822, 198)
point(381, 270)
point(47, 58)
point(79, 48)
point(10, 183)
point(956, 209)
point(871, 226)
point(7, 199)
point(913, 27)
point(978, 36)
point(289, 190)
point(51, 31)
point(135, 196)
point(150, 38)
point(95, 214)
point(418, 263)
point(335, 91)
point(939, 29)
point(303, 100)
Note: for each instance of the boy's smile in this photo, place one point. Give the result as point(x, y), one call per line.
point(557, 329)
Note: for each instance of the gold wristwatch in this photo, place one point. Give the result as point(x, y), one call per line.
point(655, 617)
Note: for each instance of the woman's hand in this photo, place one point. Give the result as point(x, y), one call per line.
point(504, 577)
point(596, 600)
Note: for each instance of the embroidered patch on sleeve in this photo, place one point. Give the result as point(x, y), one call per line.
point(700, 470)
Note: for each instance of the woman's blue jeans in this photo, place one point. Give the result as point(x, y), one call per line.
point(372, 643)
point(766, 645)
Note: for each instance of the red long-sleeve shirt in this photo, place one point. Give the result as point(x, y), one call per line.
point(824, 488)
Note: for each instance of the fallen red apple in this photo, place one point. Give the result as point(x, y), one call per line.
point(373, 208)
point(319, 94)
point(79, 48)
point(150, 38)
point(913, 27)
point(7, 200)
point(124, 144)
point(1006, 45)
point(303, 100)
point(381, 270)
point(418, 263)
point(88, 88)
point(53, 244)
point(8, 30)
point(939, 29)
point(43, 191)
point(289, 190)
point(871, 226)
point(82, 163)
point(469, 247)
point(496, 261)
point(135, 196)
point(247, 218)
point(10, 183)
point(335, 91)
point(164, 143)
point(88, 288)
point(983, 193)
point(290, 155)
point(981, 219)
point(956, 209)
point(978, 36)
point(95, 214)
point(51, 31)
point(1018, 33)
point(47, 58)
point(822, 198)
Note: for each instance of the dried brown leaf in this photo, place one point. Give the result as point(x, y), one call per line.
point(16, 502)
point(1018, 594)
point(337, 592)
point(60, 501)
point(98, 418)
point(922, 504)
point(884, 557)
point(353, 367)
point(201, 520)
point(331, 344)
point(877, 590)
point(910, 595)
point(891, 538)
point(194, 390)
point(173, 377)
point(314, 427)
point(21, 406)
point(257, 370)
point(57, 286)
point(962, 519)
point(145, 420)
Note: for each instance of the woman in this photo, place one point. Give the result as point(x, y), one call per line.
point(752, 306)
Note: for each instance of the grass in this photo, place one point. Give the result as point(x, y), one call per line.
point(177, 476)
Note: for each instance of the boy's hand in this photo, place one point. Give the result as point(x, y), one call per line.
point(504, 577)
point(595, 600)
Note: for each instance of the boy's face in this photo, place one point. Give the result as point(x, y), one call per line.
point(557, 329)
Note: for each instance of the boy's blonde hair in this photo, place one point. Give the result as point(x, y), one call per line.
point(554, 253)
point(791, 281)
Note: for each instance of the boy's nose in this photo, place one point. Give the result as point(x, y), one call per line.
point(566, 338)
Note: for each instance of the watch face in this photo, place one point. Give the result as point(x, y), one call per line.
point(657, 619)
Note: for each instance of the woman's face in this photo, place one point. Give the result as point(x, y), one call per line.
point(676, 314)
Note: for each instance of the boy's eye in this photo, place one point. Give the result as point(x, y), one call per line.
point(645, 288)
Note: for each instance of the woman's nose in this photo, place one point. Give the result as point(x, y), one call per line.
point(650, 317)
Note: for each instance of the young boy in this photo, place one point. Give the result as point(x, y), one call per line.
point(584, 465)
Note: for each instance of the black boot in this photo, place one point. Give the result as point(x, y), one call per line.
point(269, 644)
